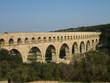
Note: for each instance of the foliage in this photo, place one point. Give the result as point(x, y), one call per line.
point(94, 67)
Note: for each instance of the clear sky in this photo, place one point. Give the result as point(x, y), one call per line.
point(50, 15)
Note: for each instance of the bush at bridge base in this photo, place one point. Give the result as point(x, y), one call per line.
point(94, 67)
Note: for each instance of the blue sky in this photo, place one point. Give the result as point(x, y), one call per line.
point(50, 15)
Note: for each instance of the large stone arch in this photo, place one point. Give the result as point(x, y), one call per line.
point(74, 48)
point(88, 46)
point(82, 47)
point(50, 54)
point(2, 41)
point(64, 51)
point(34, 54)
point(16, 52)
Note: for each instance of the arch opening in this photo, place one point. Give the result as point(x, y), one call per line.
point(2, 41)
point(93, 44)
point(26, 40)
point(64, 51)
point(50, 39)
point(50, 54)
point(88, 46)
point(34, 55)
point(33, 40)
point(58, 38)
point(44, 39)
point(19, 41)
point(17, 54)
point(39, 39)
point(11, 41)
point(82, 47)
point(75, 48)
point(54, 39)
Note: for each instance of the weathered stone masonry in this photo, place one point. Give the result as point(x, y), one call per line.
point(56, 43)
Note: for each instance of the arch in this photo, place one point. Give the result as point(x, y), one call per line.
point(34, 54)
point(76, 37)
point(88, 46)
point(50, 39)
point(96, 41)
point(58, 38)
point(26, 40)
point(74, 48)
point(64, 51)
point(2, 42)
point(93, 44)
point(19, 41)
point(44, 39)
point(16, 53)
point(96, 47)
point(33, 40)
point(61, 38)
point(82, 47)
point(73, 37)
point(11, 41)
point(54, 39)
point(39, 39)
point(50, 54)
point(68, 37)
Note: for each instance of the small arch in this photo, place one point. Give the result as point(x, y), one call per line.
point(34, 55)
point(74, 48)
point(50, 39)
point(2, 42)
point(26, 40)
point(88, 46)
point(11, 41)
point(93, 43)
point(39, 39)
point(33, 40)
point(58, 38)
point(50, 54)
point(64, 51)
point(61, 38)
point(68, 37)
point(54, 39)
point(44, 39)
point(19, 41)
point(82, 47)
point(73, 37)
point(76, 37)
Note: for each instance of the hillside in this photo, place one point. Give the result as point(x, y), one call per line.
point(98, 28)
point(104, 37)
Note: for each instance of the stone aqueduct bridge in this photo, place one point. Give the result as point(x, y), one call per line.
point(49, 46)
